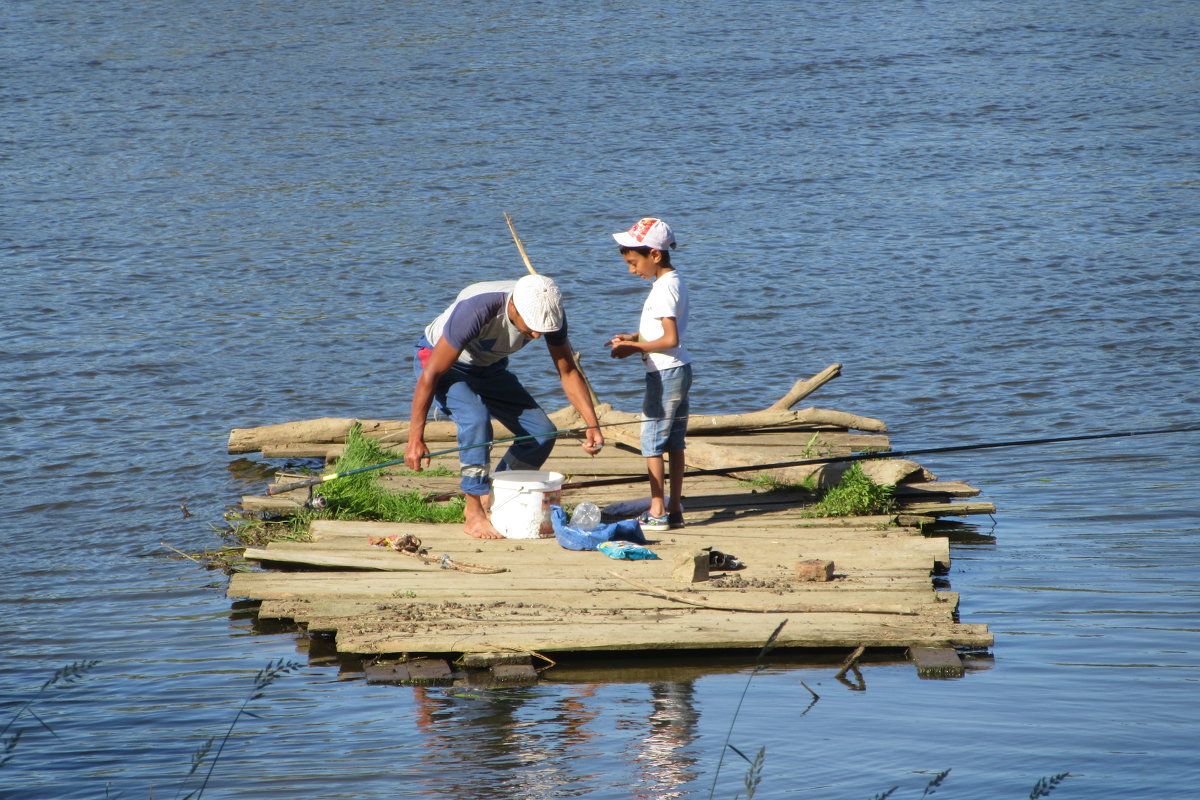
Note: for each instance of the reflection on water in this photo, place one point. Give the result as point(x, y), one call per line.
point(526, 744)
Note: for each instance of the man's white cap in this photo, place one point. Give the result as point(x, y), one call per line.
point(539, 302)
point(647, 232)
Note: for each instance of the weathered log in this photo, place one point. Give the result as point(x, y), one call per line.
point(326, 429)
point(779, 419)
point(334, 430)
point(804, 388)
point(709, 424)
point(891, 471)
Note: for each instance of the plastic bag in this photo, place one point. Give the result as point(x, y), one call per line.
point(576, 539)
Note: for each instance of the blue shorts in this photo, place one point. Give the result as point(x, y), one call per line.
point(665, 410)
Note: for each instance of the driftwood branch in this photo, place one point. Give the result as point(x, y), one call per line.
point(851, 661)
point(804, 388)
point(335, 430)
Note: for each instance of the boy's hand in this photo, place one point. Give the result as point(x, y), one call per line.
point(619, 346)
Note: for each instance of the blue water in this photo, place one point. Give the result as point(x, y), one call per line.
point(231, 214)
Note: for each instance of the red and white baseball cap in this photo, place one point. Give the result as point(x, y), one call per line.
point(647, 232)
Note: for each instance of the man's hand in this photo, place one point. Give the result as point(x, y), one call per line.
point(416, 453)
point(593, 441)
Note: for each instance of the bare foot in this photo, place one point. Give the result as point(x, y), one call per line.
point(478, 524)
point(482, 529)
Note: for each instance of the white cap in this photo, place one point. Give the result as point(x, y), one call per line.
point(647, 232)
point(539, 302)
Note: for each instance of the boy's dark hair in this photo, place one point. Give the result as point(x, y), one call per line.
point(646, 251)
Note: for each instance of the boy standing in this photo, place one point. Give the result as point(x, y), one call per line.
point(646, 248)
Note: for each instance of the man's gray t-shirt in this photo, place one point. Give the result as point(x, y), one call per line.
point(477, 324)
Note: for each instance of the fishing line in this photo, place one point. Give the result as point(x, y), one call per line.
point(884, 454)
point(287, 487)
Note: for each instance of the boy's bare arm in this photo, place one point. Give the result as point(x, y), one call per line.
point(624, 344)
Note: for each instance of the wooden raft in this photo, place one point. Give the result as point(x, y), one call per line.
point(871, 586)
point(380, 602)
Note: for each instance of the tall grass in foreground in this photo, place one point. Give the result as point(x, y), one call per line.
point(278, 669)
point(74, 672)
point(754, 773)
point(62, 677)
point(265, 677)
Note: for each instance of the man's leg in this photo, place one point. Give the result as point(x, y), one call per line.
point(512, 405)
point(473, 424)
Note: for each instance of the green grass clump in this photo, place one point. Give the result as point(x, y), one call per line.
point(361, 497)
point(856, 495)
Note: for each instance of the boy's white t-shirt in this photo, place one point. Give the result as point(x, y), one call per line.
point(668, 298)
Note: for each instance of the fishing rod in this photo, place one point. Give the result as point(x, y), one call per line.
point(856, 457)
point(304, 484)
point(882, 454)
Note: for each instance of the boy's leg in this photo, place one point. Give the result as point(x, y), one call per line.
point(654, 468)
point(677, 386)
point(677, 469)
point(655, 430)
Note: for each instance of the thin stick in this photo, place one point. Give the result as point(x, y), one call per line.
point(520, 247)
point(850, 661)
point(529, 266)
point(180, 552)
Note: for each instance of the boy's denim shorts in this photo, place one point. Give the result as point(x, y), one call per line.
point(665, 410)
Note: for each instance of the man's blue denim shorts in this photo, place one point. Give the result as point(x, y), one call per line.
point(665, 410)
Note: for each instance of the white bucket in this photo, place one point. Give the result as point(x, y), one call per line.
point(521, 500)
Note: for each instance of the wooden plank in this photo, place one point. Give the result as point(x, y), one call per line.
point(937, 488)
point(701, 630)
point(318, 585)
point(553, 560)
point(418, 672)
point(936, 662)
point(921, 602)
point(339, 559)
point(950, 509)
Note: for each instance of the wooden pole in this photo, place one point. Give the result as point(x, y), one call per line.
point(520, 247)
point(529, 266)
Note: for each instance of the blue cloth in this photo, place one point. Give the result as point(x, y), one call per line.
point(627, 550)
point(627, 530)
